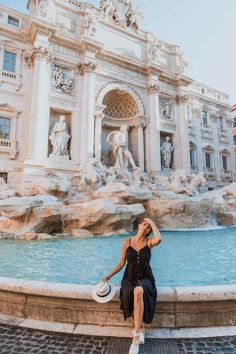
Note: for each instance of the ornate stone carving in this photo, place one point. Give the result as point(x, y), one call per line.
point(62, 81)
point(196, 112)
point(38, 52)
point(165, 109)
point(87, 67)
point(43, 8)
point(154, 51)
point(59, 138)
point(153, 88)
point(90, 25)
point(122, 12)
point(181, 64)
point(181, 99)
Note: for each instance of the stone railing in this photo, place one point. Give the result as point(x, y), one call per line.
point(73, 3)
point(8, 146)
point(223, 137)
point(8, 76)
point(227, 175)
point(210, 171)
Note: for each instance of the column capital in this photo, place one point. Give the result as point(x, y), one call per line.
point(38, 52)
point(153, 88)
point(87, 67)
point(181, 99)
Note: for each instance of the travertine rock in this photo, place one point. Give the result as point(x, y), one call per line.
point(181, 213)
point(122, 193)
point(101, 216)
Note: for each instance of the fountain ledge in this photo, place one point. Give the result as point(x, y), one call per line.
point(177, 307)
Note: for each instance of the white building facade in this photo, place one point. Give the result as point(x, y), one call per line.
point(98, 70)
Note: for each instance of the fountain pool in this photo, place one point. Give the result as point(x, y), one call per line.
point(187, 258)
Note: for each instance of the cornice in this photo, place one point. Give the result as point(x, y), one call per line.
point(44, 28)
point(207, 100)
point(19, 36)
point(90, 44)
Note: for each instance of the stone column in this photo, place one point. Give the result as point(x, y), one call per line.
point(140, 127)
point(87, 70)
point(39, 111)
point(229, 127)
point(98, 135)
point(216, 145)
point(154, 148)
point(182, 139)
point(196, 113)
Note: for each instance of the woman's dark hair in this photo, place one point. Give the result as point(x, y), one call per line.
point(136, 224)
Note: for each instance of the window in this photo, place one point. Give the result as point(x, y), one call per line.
point(208, 160)
point(204, 117)
point(192, 157)
point(221, 123)
point(234, 122)
point(224, 162)
point(5, 127)
point(9, 61)
point(234, 139)
point(13, 21)
point(203, 91)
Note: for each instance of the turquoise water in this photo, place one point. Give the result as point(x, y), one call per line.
point(182, 259)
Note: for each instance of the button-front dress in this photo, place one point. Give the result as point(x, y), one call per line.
point(138, 272)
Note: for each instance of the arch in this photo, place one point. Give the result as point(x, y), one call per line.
point(115, 85)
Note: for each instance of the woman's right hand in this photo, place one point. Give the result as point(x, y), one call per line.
point(105, 279)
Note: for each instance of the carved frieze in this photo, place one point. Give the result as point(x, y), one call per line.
point(90, 25)
point(165, 108)
point(63, 80)
point(87, 67)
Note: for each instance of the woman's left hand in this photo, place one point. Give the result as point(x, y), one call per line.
point(148, 220)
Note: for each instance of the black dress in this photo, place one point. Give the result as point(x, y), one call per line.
point(138, 272)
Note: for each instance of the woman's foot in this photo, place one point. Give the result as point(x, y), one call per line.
point(134, 348)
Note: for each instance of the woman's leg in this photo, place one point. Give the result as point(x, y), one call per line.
point(138, 308)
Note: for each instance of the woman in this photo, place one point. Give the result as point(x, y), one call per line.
point(138, 291)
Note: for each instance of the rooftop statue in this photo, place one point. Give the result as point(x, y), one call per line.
point(122, 12)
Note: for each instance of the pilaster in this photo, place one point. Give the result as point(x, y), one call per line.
point(154, 140)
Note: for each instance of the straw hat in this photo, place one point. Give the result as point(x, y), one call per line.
point(103, 292)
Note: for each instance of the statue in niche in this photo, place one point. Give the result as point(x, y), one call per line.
point(62, 81)
point(90, 25)
point(117, 139)
point(107, 8)
point(59, 138)
point(166, 152)
point(43, 8)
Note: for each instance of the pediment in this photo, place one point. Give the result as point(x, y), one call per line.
point(8, 108)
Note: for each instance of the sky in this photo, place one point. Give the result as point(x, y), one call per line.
point(204, 29)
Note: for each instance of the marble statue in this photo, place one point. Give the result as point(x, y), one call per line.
point(166, 152)
point(90, 25)
point(43, 8)
point(107, 8)
point(61, 81)
point(117, 139)
point(59, 138)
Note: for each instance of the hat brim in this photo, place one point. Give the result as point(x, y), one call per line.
point(103, 300)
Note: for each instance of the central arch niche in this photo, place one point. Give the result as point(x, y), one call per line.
point(120, 109)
